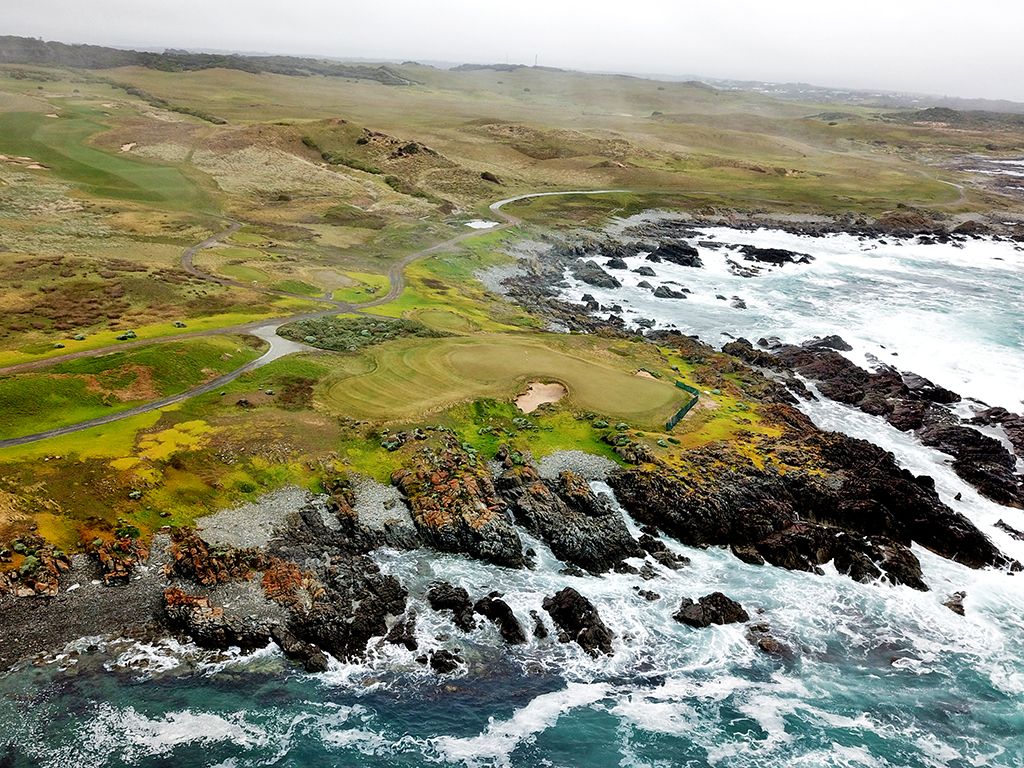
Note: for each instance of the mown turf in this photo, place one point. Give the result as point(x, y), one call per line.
point(60, 144)
point(407, 379)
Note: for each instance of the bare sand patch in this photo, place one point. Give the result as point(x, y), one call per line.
point(129, 146)
point(538, 394)
point(644, 374)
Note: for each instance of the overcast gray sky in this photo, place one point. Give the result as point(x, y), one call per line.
point(937, 46)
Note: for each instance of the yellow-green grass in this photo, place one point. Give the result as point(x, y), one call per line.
point(225, 320)
point(61, 145)
point(409, 379)
point(111, 441)
point(86, 388)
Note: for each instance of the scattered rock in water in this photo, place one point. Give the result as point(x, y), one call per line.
point(955, 602)
point(403, 632)
point(715, 608)
point(760, 636)
point(645, 272)
point(683, 254)
point(446, 597)
point(645, 285)
point(738, 303)
point(833, 341)
point(540, 631)
point(665, 292)
point(1007, 528)
point(616, 263)
point(444, 661)
point(775, 256)
point(591, 274)
point(579, 621)
point(500, 613)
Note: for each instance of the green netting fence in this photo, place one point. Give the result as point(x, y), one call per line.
point(686, 408)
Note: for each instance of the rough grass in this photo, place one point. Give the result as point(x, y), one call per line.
point(86, 388)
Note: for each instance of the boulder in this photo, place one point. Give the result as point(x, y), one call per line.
point(591, 274)
point(445, 597)
point(578, 620)
point(715, 608)
point(666, 292)
point(500, 613)
point(683, 254)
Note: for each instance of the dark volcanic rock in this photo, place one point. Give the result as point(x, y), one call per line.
point(715, 608)
point(677, 253)
point(352, 604)
point(499, 612)
point(591, 274)
point(578, 620)
point(665, 292)
point(645, 271)
point(837, 343)
point(865, 510)
point(444, 661)
point(403, 632)
point(982, 461)
point(955, 602)
point(1003, 526)
point(616, 263)
point(580, 527)
point(311, 657)
point(445, 597)
point(777, 256)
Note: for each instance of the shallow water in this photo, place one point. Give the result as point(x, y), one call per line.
point(880, 676)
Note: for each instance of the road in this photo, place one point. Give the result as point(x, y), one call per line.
point(263, 329)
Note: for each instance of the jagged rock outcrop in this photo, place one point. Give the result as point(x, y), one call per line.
point(591, 274)
point(500, 614)
point(446, 597)
point(208, 624)
point(580, 527)
point(715, 608)
point(908, 401)
point(578, 620)
point(454, 504)
point(858, 508)
point(683, 254)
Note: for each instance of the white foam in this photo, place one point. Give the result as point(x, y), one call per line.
point(501, 737)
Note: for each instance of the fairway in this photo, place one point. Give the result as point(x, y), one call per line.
point(409, 378)
point(61, 146)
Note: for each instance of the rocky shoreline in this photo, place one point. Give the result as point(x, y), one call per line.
point(303, 576)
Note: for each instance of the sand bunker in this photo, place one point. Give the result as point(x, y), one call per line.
point(645, 374)
point(538, 394)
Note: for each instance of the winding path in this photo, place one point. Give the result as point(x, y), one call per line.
point(266, 330)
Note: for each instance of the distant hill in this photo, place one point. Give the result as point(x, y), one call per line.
point(961, 118)
point(26, 50)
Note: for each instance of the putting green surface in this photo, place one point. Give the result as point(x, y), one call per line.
point(409, 378)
